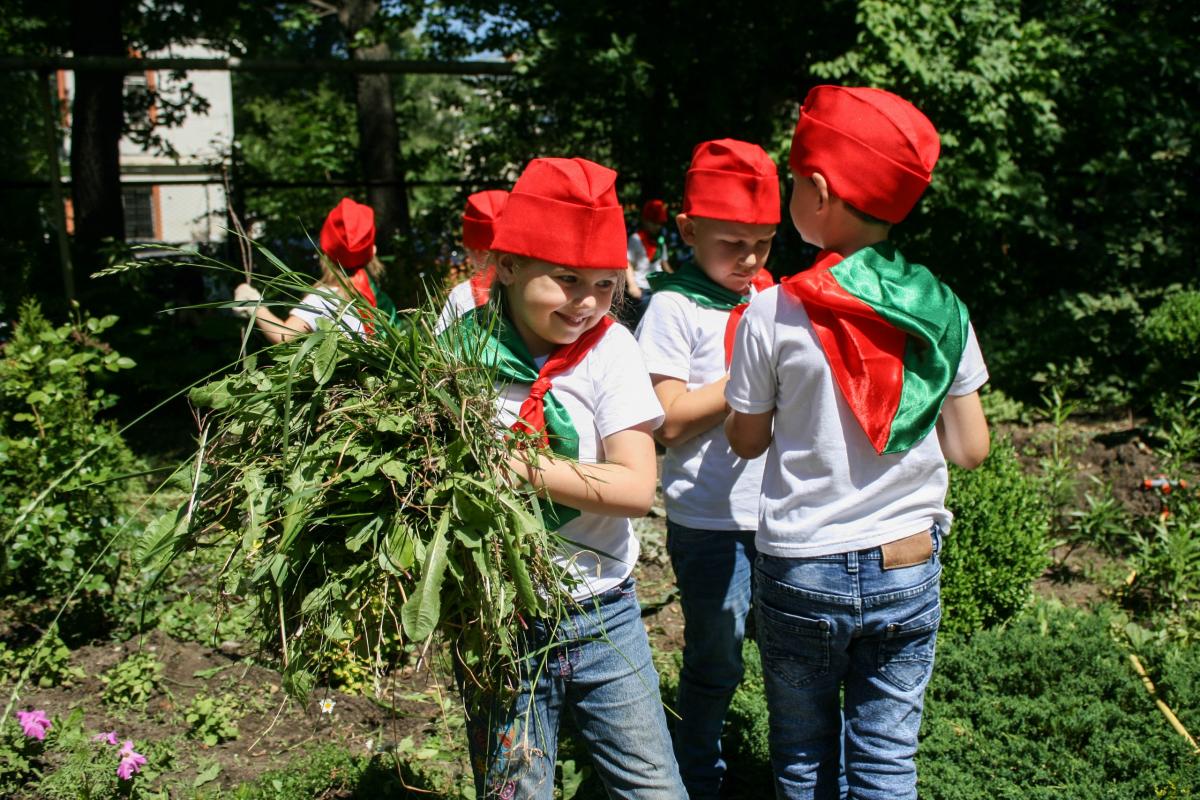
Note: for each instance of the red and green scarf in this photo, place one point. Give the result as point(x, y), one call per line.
point(694, 284)
point(893, 335)
point(376, 297)
point(496, 343)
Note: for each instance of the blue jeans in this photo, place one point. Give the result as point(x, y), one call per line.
point(596, 662)
point(714, 571)
point(842, 622)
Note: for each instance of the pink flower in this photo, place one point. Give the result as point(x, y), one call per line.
point(107, 738)
point(131, 762)
point(35, 723)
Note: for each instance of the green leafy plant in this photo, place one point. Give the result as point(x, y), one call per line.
point(61, 497)
point(1172, 334)
point(998, 543)
point(20, 760)
point(211, 719)
point(1103, 522)
point(1164, 552)
point(51, 662)
point(349, 476)
point(133, 681)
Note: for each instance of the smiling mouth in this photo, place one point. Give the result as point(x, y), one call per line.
point(574, 320)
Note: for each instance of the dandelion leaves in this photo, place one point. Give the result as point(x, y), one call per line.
point(423, 609)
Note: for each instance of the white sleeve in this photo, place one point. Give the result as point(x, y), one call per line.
point(624, 396)
point(456, 306)
point(635, 253)
point(665, 335)
point(752, 386)
point(972, 371)
point(311, 308)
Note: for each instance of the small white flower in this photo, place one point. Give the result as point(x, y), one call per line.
point(327, 706)
point(370, 745)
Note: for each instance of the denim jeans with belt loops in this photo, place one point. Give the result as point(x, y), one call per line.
point(596, 663)
point(842, 622)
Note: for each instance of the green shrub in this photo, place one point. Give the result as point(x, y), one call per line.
point(1171, 333)
point(1047, 704)
point(327, 771)
point(60, 502)
point(998, 544)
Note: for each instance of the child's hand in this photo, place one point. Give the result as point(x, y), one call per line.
point(248, 297)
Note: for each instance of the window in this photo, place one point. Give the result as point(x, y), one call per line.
point(139, 212)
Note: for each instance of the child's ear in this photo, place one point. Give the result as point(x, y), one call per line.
point(687, 229)
point(506, 268)
point(822, 189)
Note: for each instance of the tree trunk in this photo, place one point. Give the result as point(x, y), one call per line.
point(378, 139)
point(96, 121)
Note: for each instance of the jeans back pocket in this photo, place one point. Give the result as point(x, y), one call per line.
point(794, 648)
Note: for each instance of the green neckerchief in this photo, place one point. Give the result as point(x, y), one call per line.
point(382, 301)
point(494, 341)
point(691, 282)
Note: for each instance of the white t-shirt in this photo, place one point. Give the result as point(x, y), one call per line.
point(329, 305)
point(635, 251)
point(607, 392)
point(705, 484)
point(460, 300)
point(825, 490)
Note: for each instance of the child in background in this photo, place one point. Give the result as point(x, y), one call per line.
point(479, 221)
point(347, 257)
point(861, 375)
point(730, 213)
point(647, 255)
point(573, 375)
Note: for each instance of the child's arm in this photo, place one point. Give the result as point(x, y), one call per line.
point(963, 430)
point(623, 486)
point(276, 330)
point(689, 413)
point(749, 434)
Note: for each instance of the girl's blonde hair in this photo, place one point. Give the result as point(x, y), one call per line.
point(496, 296)
point(334, 277)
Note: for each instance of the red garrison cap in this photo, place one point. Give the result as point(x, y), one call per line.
point(348, 234)
point(479, 218)
point(875, 149)
point(564, 211)
point(655, 211)
point(734, 181)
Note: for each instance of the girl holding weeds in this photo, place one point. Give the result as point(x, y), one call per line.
point(348, 264)
point(572, 376)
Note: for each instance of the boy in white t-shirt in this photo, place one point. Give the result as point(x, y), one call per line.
point(861, 376)
point(730, 213)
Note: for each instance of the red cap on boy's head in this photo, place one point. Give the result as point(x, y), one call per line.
point(348, 235)
point(734, 181)
point(479, 218)
point(655, 211)
point(565, 211)
point(875, 149)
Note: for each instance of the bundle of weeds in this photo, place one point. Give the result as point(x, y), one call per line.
point(355, 487)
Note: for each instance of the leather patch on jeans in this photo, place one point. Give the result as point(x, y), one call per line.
point(907, 552)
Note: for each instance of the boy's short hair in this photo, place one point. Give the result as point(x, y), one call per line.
point(875, 149)
point(733, 181)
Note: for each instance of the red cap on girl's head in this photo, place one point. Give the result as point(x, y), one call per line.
point(655, 211)
point(734, 181)
point(479, 218)
point(348, 235)
point(564, 211)
point(876, 150)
